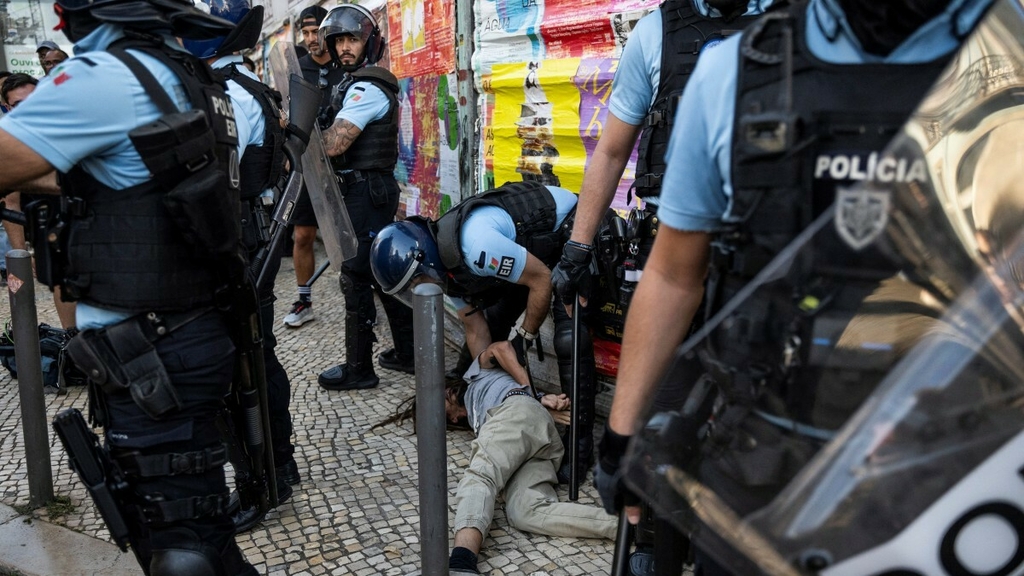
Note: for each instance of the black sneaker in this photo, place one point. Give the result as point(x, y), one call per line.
point(341, 378)
point(389, 359)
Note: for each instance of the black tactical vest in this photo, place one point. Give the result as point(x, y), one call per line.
point(685, 33)
point(261, 166)
point(313, 73)
point(377, 145)
point(126, 251)
point(532, 209)
point(795, 151)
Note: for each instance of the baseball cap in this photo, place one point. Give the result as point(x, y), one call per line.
point(47, 45)
point(311, 16)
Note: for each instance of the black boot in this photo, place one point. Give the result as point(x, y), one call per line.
point(357, 373)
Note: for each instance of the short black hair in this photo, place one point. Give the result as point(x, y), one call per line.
point(15, 81)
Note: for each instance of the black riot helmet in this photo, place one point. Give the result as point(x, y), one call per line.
point(180, 17)
point(357, 21)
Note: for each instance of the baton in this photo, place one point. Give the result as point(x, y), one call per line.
point(574, 412)
point(620, 561)
point(319, 272)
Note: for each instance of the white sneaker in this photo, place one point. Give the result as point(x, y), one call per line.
point(301, 313)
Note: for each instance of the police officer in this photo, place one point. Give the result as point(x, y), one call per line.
point(261, 138)
point(147, 282)
point(318, 69)
point(492, 253)
point(753, 119)
point(655, 65)
point(363, 146)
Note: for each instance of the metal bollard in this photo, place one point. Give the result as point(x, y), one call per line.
point(428, 336)
point(25, 322)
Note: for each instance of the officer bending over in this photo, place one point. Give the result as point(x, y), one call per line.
point(492, 253)
point(147, 282)
point(752, 197)
point(363, 146)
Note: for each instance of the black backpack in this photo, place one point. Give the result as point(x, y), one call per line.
point(58, 370)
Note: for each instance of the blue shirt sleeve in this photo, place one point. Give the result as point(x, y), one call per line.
point(697, 188)
point(639, 71)
point(364, 103)
point(488, 244)
point(81, 113)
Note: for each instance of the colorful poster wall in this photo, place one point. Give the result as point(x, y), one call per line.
point(545, 68)
point(421, 34)
point(428, 145)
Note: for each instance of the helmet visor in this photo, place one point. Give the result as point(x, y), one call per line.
point(346, 20)
point(415, 274)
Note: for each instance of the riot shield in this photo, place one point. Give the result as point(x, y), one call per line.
point(905, 457)
point(318, 176)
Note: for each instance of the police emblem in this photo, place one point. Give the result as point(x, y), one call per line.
point(861, 215)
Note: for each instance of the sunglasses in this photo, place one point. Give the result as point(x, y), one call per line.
point(322, 82)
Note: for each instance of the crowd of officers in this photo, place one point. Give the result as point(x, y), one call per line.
point(732, 100)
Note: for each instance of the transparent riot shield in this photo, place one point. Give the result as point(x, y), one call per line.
point(321, 183)
point(905, 454)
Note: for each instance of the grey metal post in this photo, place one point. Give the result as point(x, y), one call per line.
point(25, 322)
point(469, 130)
point(428, 336)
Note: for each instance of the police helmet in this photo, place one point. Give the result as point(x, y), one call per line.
point(359, 22)
point(248, 24)
point(78, 18)
point(404, 254)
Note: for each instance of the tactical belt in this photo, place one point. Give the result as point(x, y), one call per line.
point(351, 177)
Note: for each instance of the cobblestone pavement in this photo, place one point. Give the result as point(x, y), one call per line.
point(356, 510)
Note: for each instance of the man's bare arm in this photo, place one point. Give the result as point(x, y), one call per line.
point(537, 277)
point(504, 356)
point(665, 302)
point(478, 334)
point(602, 177)
point(23, 168)
point(340, 136)
point(15, 232)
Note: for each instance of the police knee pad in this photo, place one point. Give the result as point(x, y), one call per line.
point(201, 561)
point(561, 341)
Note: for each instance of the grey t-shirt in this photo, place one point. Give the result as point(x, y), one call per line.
point(487, 389)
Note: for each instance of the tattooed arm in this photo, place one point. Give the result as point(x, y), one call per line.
point(340, 136)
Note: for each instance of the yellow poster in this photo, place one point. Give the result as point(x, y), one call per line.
point(536, 123)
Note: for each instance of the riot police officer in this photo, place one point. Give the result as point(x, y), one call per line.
point(363, 146)
point(258, 118)
point(146, 144)
point(757, 152)
point(492, 255)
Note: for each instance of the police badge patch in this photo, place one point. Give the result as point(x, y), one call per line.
point(861, 215)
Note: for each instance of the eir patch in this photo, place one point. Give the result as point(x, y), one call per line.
point(505, 268)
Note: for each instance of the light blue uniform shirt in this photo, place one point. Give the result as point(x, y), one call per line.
point(696, 193)
point(364, 103)
point(639, 71)
point(248, 112)
point(488, 240)
point(81, 114)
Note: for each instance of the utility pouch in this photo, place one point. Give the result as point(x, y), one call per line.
point(378, 194)
point(205, 209)
point(255, 225)
point(180, 148)
point(122, 357)
point(46, 228)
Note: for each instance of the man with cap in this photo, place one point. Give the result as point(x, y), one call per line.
point(44, 47)
point(318, 69)
point(363, 145)
point(149, 283)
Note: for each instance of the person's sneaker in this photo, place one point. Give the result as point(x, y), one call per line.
point(341, 378)
point(389, 359)
point(288, 473)
point(301, 313)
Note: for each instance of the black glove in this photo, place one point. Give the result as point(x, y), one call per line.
point(571, 275)
point(608, 472)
